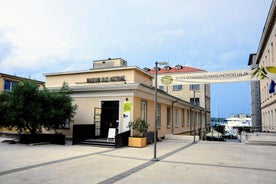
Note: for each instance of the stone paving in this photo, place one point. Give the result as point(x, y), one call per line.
point(181, 161)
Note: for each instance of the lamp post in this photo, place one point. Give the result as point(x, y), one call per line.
point(194, 115)
point(155, 109)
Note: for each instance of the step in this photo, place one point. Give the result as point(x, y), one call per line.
point(99, 142)
point(261, 142)
point(260, 138)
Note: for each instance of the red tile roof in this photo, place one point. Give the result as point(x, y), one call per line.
point(176, 69)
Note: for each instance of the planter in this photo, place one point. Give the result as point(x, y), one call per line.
point(39, 138)
point(138, 142)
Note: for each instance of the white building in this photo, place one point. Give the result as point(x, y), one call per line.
point(112, 94)
point(266, 56)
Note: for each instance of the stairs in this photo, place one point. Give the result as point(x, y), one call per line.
point(99, 142)
point(259, 138)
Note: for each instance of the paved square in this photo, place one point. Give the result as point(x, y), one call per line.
point(180, 162)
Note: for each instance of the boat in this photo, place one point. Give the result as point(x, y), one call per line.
point(236, 121)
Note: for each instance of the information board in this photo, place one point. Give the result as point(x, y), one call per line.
point(111, 133)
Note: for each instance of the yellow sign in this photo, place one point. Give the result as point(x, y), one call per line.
point(167, 80)
point(127, 106)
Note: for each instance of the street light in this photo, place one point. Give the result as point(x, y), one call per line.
point(194, 115)
point(155, 109)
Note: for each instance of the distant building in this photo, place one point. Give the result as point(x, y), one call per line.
point(8, 81)
point(197, 94)
point(266, 56)
point(255, 97)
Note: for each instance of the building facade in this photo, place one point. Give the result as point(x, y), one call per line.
point(8, 81)
point(196, 94)
point(255, 103)
point(112, 94)
point(266, 56)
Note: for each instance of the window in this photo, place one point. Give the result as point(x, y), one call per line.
point(195, 101)
point(194, 87)
point(167, 67)
point(272, 53)
point(268, 58)
point(178, 67)
point(183, 117)
point(161, 88)
point(168, 117)
point(177, 87)
point(158, 116)
point(144, 108)
point(8, 85)
point(176, 117)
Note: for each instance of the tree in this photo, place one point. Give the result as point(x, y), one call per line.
point(26, 107)
point(59, 110)
point(4, 100)
point(140, 127)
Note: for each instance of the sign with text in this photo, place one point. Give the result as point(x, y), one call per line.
point(127, 109)
point(106, 79)
point(111, 133)
point(208, 77)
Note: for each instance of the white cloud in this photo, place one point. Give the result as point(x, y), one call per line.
point(5, 46)
point(48, 36)
point(44, 36)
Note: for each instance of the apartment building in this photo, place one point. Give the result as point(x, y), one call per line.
point(266, 56)
point(6, 84)
point(8, 81)
point(196, 94)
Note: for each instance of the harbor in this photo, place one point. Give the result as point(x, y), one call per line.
point(225, 129)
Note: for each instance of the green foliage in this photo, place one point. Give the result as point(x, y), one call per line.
point(26, 107)
point(4, 102)
point(259, 72)
point(139, 126)
point(59, 110)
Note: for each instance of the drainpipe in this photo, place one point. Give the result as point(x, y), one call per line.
point(191, 110)
point(194, 116)
point(172, 115)
point(201, 131)
point(194, 123)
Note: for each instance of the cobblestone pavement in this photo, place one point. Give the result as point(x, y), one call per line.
point(180, 161)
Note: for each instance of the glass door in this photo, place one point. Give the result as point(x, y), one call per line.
point(97, 120)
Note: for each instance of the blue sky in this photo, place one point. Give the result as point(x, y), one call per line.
point(47, 36)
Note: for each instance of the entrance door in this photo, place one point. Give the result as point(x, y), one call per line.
point(109, 116)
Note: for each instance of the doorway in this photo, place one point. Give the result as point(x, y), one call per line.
point(109, 117)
